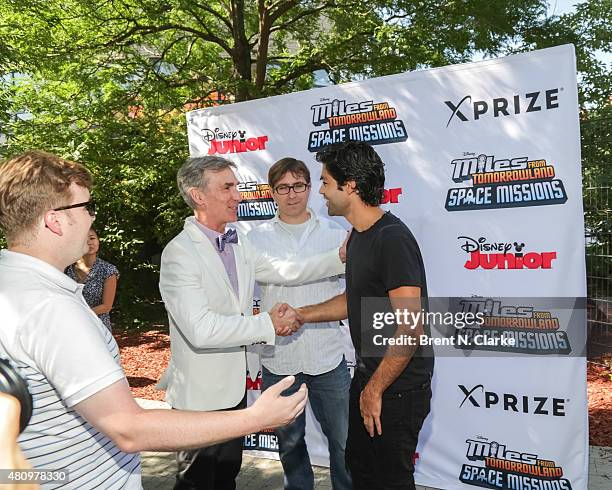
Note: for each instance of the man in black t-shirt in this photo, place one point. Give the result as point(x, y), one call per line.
point(390, 392)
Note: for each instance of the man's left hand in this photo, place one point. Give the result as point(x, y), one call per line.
point(342, 250)
point(370, 405)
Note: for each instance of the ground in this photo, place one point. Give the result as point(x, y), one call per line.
point(145, 355)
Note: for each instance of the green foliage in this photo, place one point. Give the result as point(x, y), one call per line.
point(589, 29)
point(597, 191)
point(107, 83)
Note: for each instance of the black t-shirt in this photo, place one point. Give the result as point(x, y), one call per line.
point(384, 257)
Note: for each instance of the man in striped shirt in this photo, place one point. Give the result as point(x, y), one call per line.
point(85, 420)
point(315, 353)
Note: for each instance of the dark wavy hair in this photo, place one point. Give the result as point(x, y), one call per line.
point(356, 160)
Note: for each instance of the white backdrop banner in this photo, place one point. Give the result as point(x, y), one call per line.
point(483, 164)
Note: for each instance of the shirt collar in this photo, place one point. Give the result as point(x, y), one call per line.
point(40, 267)
point(212, 235)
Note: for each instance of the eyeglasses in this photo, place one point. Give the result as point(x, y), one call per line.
point(297, 188)
point(90, 206)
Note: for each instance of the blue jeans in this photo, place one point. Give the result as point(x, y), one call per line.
point(328, 394)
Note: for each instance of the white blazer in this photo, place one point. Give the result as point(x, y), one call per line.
point(209, 325)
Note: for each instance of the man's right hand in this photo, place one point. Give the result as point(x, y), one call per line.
point(285, 319)
point(274, 410)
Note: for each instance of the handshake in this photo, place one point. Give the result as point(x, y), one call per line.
point(286, 320)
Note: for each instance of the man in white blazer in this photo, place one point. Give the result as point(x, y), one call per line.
point(207, 279)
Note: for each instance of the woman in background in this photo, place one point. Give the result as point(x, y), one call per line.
point(98, 277)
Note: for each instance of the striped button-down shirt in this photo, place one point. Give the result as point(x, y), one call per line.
point(317, 347)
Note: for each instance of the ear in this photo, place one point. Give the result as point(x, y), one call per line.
point(350, 187)
point(52, 222)
point(197, 196)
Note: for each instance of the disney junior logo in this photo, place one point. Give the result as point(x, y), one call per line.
point(219, 134)
point(502, 255)
point(232, 141)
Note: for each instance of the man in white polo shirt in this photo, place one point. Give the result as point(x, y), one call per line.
point(84, 420)
point(314, 354)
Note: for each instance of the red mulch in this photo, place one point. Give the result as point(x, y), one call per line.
point(599, 388)
point(145, 355)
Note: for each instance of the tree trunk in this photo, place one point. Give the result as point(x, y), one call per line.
point(241, 55)
point(265, 24)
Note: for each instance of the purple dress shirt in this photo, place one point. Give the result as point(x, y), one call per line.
point(227, 256)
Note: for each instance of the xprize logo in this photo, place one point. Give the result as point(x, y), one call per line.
point(256, 202)
point(519, 329)
point(232, 141)
point(472, 110)
point(478, 397)
point(509, 469)
point(503, 183)
point(503, 255)
point(375, 123)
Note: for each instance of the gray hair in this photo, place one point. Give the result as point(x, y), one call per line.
point(193, 173)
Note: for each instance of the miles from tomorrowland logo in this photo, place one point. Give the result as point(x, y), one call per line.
point(230, 141)
point(525, 328)
point(375, 123)
point(503, 183)
point(499, 255)
point(256, 202)
point(509, 470)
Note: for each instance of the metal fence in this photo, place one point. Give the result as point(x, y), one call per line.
point(597, 189)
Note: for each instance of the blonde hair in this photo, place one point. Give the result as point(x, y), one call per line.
point(31, 184)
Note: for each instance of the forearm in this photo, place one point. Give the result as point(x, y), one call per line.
point(333, 309)
point(108, 296)
point(172, 430)
point(103, 308)
point(272, 270)
point(207, 329)
point(387, 372)
point(396, 359)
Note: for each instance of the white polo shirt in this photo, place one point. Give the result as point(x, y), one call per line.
point(65, 353)
point(316, 348)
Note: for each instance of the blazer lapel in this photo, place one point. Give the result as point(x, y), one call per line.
point(241, 270)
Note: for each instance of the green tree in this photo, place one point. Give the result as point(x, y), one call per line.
point(589, 29)
point(254, 48)
point(107, 82)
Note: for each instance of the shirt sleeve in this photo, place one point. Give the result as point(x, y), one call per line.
point(109, 270)
point(186, 298)
point(63, 338)
point(400, 263)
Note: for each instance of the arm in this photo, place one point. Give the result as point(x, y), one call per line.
point(331, 310)
point(108, 296)
point(395, 361)
point(186, 300)
point(114, 412)
point(76, 360)
point(272, 270)
point(11, 457)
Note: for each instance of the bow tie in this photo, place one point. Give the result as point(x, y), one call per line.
point(230, 236)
